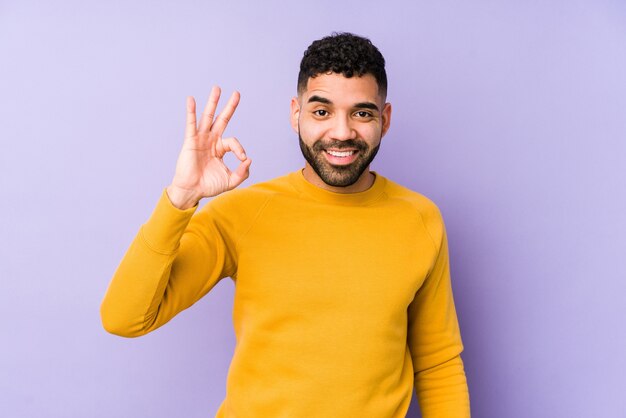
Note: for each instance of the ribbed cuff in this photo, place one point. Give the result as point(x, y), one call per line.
point(165, 227)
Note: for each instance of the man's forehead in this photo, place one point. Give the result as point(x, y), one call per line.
point(337, 87)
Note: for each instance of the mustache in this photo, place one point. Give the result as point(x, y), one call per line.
point(339, 145)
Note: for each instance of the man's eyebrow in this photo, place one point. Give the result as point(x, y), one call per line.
point(361, 105)
point(367, 105)
point(319, 99)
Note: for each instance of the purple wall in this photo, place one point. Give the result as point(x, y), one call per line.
point(510, 115)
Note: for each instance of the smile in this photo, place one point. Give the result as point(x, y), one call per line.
point(340, 153)
point(336, 157)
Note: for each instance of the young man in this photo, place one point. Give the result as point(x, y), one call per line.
point(343, 301)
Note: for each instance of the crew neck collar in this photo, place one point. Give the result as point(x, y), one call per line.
point(307, 189)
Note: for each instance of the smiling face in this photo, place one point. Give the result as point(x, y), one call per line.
point(340, 122)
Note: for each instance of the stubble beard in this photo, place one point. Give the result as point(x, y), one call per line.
point(338, 175)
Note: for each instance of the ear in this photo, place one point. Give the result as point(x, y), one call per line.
point(295, 113)
point(386, 114)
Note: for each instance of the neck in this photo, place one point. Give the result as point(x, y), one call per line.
point(363, 183)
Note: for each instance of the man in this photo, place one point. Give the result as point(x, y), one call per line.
point(343, 301)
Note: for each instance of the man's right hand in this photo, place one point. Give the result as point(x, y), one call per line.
point(200, 169)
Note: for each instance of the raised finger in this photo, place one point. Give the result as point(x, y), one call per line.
point(224, 117)
point(190, 127)
point(240, 174)
point(209, 110)
point(232, 144)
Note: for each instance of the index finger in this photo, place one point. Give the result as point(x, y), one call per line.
point(224, 117)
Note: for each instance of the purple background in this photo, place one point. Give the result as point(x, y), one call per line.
point(510, 115)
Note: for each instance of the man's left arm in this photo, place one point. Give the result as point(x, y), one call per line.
point(434, 338)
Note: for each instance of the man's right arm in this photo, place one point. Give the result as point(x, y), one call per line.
point(176, 258)
point(173, 261)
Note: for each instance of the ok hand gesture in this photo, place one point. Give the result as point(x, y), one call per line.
point(200, 169)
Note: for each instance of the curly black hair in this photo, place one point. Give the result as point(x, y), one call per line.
point(346, 54)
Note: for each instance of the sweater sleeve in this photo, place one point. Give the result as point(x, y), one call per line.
point(175, 259)
point(434, 339)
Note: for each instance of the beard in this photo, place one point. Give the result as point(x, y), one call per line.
point(338, 175)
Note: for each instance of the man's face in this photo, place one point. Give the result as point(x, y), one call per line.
point(340, 122)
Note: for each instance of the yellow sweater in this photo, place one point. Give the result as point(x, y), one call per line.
point(342, 301)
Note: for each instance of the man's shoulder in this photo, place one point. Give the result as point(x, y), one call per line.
point(252, 197)
point(398, 192)
point(261, 190)
point(417, 204)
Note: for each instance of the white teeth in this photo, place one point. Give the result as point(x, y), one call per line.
point(340, 154)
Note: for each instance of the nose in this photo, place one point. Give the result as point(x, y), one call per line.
point(342, 129)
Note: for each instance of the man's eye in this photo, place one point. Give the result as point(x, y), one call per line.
point(363, 114)
point(320, 112)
